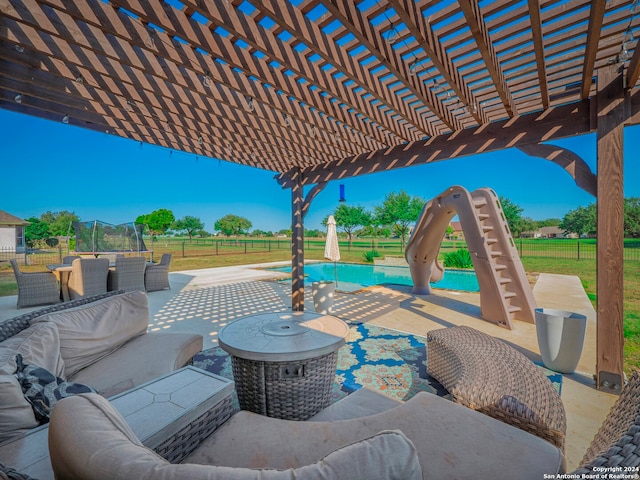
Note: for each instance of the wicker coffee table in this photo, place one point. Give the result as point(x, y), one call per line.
point(171, 414)
point(284, 364)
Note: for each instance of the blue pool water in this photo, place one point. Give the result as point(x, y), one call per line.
point(352, 276)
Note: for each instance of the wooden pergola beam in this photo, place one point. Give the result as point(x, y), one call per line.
point(538, 46)
point(420, 28)
point(555, 123)
point(572, 163)
point(350, 16)
point(633, 72)
point(596, 17)
point(400, 123)
point(611, 118)
point(475, 20)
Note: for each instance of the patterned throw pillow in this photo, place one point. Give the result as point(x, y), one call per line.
point(43, 389)
point(9, 473)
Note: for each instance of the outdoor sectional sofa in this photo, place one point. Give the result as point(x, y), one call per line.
point(89, 440)
point(101, 342)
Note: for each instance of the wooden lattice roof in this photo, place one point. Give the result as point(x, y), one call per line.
point(285, 85)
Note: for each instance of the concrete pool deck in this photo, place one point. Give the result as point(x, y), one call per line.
point(203, 301)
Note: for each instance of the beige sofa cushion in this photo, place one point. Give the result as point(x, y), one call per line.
point(90, 332)
point(39, 345)
point(452, 441)
point(89, 439)
point(140, 360)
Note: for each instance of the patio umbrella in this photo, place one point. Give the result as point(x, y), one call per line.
point(331, 248)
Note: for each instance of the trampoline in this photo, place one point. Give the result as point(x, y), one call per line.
point(100, 237)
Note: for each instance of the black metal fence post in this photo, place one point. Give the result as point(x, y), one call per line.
point(183, 249)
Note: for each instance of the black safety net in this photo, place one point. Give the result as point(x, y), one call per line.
point(96, 236)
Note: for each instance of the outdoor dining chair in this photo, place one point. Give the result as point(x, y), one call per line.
point(68, 260)
point(88, 277)
point(156, 277)
point(37, 288)
point(127, 275)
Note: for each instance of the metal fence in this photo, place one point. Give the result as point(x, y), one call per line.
point(579, 249)
point(35, 256)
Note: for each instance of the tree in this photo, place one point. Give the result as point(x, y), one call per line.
point(59, 222)
point(582, 220)
point(549, 222)
point(513, 215)
point(158, 221)
point(632, 217)
point(38, 230)
point(232, 225)
point(348, 218)
point(399, 210)
point(188, 224)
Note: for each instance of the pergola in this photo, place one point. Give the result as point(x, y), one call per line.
point(322, 90)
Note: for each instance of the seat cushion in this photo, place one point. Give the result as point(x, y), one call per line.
point(90, 332)
point(140, 360)
point(452, 441)
point(89, 439)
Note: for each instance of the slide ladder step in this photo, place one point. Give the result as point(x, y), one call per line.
point(508, 295)
point(479, 203)
point(499, 267)
point(514, 309)
point(504, 281)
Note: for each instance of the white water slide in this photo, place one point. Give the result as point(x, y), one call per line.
point(505, 293)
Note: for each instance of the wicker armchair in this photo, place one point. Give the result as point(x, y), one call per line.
point(487, 375)
point(156, 277)
point(127, 275)
point(39, 288)
point(617, 443)
point(88, 277)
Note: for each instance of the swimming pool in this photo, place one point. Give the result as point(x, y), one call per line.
point(353, 276)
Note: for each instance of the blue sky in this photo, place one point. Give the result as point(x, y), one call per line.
point(48, 165)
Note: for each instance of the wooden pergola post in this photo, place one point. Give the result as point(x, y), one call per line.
point(610, 228)
point(297, 245)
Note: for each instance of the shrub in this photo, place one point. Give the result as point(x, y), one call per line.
point(370, 255)
point(461, 258)
point(52, 242)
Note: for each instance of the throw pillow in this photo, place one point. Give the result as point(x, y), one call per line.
point(8, 473)
point(39, 345)
point(42, 389)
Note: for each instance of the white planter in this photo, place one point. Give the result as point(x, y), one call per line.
point(560, 338)
point(323, 296)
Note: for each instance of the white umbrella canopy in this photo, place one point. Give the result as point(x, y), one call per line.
point(331, 247)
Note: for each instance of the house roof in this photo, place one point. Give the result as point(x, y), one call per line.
point(318, 88)
point(553, 230)
point(8, 219)
point(457, 226)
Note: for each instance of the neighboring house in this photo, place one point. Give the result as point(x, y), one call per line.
point(457, 233)
point(11, 233)
point(548, 232)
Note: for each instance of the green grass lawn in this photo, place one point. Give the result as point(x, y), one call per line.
point(234, 255)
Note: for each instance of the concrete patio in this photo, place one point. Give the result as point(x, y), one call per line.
point(204, 301)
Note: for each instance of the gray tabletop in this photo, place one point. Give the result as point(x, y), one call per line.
point(284, 336)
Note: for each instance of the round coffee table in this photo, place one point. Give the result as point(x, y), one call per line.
point(284, 364)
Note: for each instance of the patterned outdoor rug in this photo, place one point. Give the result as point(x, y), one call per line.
point(388, 361)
